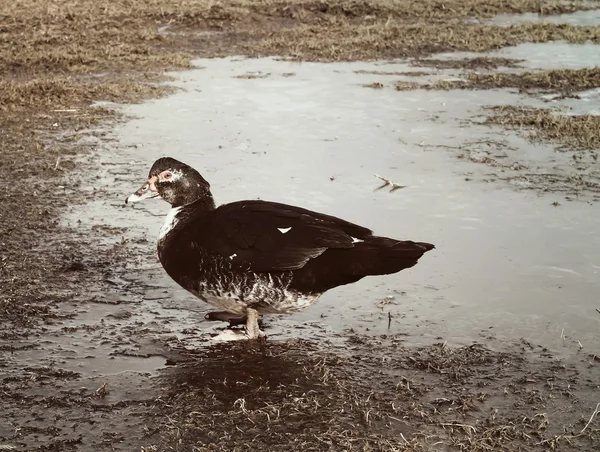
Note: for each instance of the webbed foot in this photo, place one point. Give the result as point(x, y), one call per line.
point(231, 335)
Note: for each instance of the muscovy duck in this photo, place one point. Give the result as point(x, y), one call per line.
point(257, 257)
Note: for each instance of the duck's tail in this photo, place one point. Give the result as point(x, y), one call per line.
point(383, 256)
point(372, 256)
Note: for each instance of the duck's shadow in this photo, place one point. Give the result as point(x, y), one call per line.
point(248, 371)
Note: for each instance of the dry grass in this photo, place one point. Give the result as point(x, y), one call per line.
point(571, 132)
point(71, 92)
point(565, 81)
point(46, 46)
point(83, 36)
point(390, 39)
point(469, 63)
point(408, 86)
point(293, 396)
point(406, 10)
point(561, 81)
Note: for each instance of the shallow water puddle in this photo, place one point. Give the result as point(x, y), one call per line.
point(581, 18)
point(543, 56)
point(508, 263)
point(82, 343)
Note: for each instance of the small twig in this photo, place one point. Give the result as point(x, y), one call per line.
point(57, 163)
point(387, 182)
point(596, 411)
point(101, 391)
point(396, 186)
point(598, 310)
point(567, 437)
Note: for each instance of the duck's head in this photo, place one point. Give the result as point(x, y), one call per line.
point(175, 182)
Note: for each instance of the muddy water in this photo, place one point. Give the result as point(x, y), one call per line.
point(508, 263)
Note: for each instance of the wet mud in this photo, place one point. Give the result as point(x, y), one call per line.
point(490, 344)
point(327, 396)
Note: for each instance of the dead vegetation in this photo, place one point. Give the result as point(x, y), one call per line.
point(568, 131)
point(84, 36)
point(468, 63)
point(71, 92)
point(409, 86)
point(390, 39)
point(506, 162)
point(574, 173)
point(374, 85)
point(45, 45)
point(565, 82)
point(294, 396)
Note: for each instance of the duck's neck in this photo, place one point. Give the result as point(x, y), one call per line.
point(202, 201)
point(206, 203)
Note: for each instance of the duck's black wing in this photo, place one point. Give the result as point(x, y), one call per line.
point(262, 236)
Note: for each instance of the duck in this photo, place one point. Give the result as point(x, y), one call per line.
point(253, 257)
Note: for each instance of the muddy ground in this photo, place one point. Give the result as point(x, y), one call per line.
point(87, 364)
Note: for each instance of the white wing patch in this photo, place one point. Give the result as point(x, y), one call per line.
point(355, 240)
point(284, 230)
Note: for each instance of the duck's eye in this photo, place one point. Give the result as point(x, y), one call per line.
point(168, 176)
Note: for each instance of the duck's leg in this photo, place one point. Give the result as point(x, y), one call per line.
point(224, 316)
point(252, 328)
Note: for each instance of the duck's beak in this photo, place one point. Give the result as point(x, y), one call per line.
point(148, 190)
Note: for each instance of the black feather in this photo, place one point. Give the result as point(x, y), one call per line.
point(250, 231)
